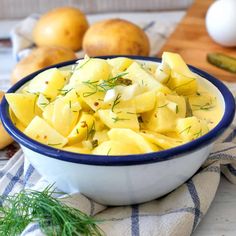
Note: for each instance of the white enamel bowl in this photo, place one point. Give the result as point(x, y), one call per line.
point(122, 180)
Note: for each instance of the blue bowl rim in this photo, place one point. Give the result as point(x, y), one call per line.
point(105, 160)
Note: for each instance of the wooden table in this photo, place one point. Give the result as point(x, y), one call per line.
point(191, 40)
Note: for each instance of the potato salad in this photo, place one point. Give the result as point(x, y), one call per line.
point(117, 106)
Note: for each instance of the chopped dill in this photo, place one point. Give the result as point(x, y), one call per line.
point(54, 144)
point(105, 85)
point(109, 151)
point(91, 131)
point(116, 119)
point(116, 101)
point(177, 109)
point(186, 130)
point(206, 107)
point(63, 92)
point(198, 134)
point(163, 105)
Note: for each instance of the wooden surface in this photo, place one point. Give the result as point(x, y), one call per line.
point(191, 40)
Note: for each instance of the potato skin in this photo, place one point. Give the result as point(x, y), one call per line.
point(64, 26)
point(115, 37)
point(39, 58)
point(5, 138)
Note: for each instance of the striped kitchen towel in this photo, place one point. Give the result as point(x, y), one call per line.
point(176, 214)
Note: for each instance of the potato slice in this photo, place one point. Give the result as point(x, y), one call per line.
point(180, 110)
point(77, 148)
point(145, 79)
point(161, 140)
point(119, 64)
point(114, 147)
point(122, 118)
point(23, 106)
point(48, 82)
point(41, 131)
point(132, 139)
point(191, 128)
point(182, 79)
point(163, 117)
point(92, 70)
point(145, 101)
point(84, 129)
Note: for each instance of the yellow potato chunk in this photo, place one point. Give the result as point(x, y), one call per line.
point(145, 101)
point(119, 119)
point(162, 118)
point(41, 131)
point(191, 128)
point(48, 82)
point(89, 95)
point(65, 113)
point(23, 106)
point(182, 80)
point(145, 79)
point(113, 147)
point(180, 109)
point(83, 130)
point(132, 138)
point(77, 148)
point(119, 64)
point(161, 140)
point(92, 70)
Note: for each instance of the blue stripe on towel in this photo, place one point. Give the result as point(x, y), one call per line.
point(196, 201)
point(149, 25)
point(28, 174)
point(231, 169)
point(231, 136)
point(13, 181)
point(135, 221)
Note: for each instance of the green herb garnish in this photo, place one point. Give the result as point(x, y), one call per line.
point(206, 107)
point(186, 130)
point(53, 216)
point(91, 131)
point(177, 109)
point(64, 91)
point(106, 85)
point(116, 119)
point(116, 101)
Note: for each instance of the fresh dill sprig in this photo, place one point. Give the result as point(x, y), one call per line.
point(186, 130)
point(198, 134)
point(91, 131)
point(53, 216)
point(105, 85)
point(206, 107)
point(116, 119)
point(116, 101)
point(163, 105)
point(63, 92)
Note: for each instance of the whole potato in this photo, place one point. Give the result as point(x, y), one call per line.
point(39, 58)
point(64, 26)
point(115, 37)
point(5, 138)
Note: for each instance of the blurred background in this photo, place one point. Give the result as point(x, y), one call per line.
point(13, 9)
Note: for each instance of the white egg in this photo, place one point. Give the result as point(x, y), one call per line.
point(221, 22)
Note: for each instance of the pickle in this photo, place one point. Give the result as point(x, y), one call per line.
point(222, 61)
